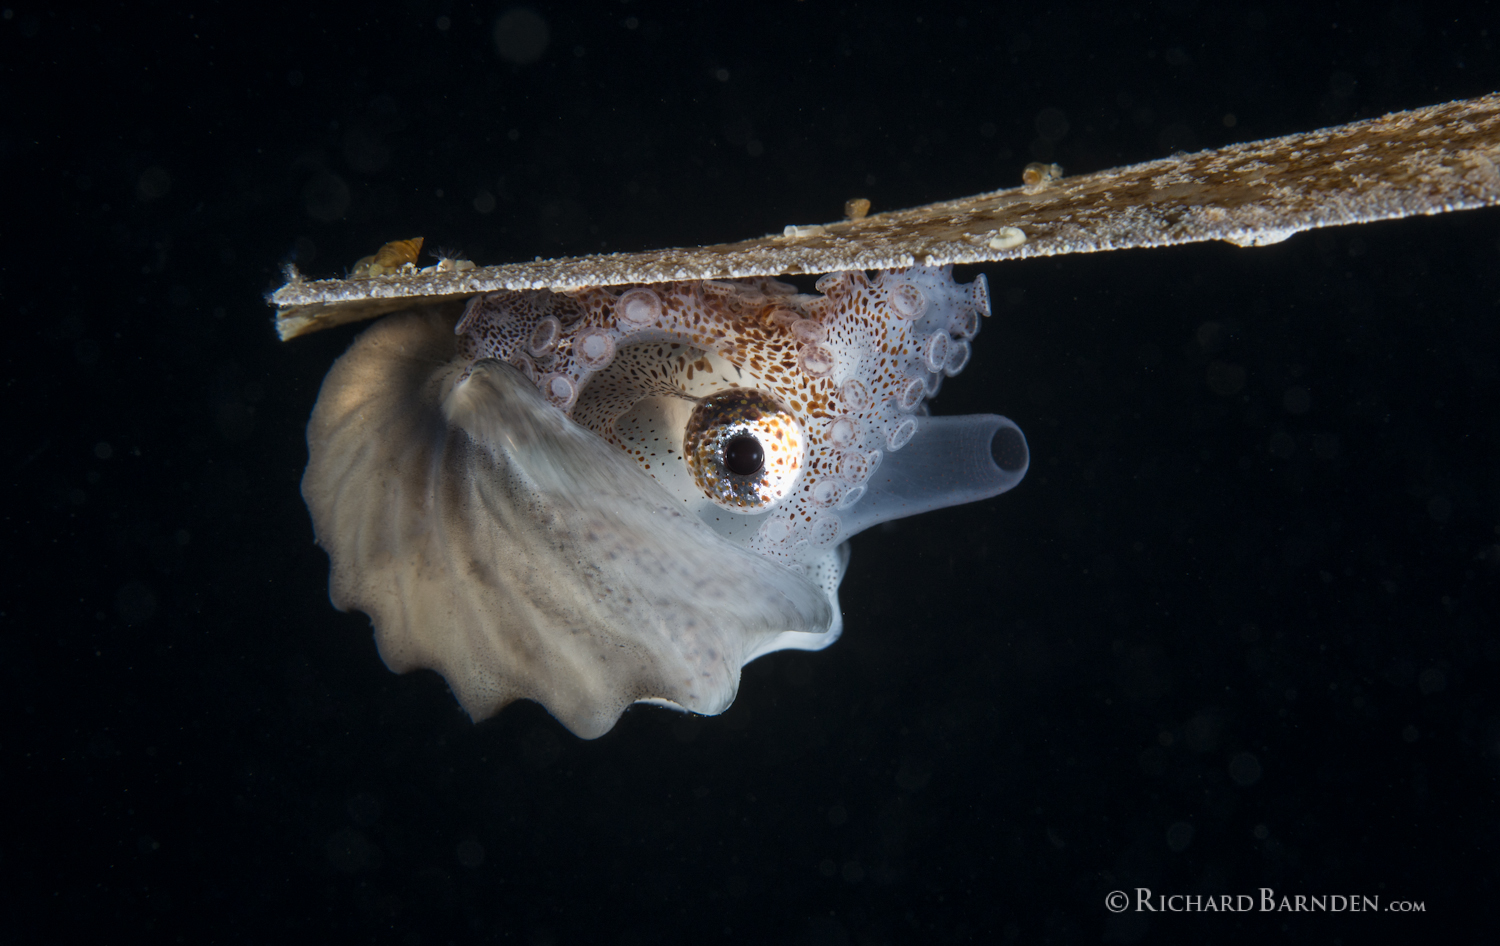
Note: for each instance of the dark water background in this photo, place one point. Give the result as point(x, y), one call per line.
point(1235, 630)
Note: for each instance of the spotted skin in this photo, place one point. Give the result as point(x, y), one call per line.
point(847, 369)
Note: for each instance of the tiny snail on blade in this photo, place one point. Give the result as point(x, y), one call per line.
point(1037, 177)
point(390, 258)
point(857, 208)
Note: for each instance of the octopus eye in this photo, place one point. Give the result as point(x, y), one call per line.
point(743, 455)
point(744, 449)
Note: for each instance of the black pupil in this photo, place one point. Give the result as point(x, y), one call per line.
point(743, 455)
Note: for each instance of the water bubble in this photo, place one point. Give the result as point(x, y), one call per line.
point(326, 197)
point(1245, 769)
point(364, 808)
point(1179, 836)
point(521, 36)
point(1296, 399)
point(351, 851)
point(1052, 124)
point(1431, 681)
point(153, 183)
point(135, 603)
point(470, 852)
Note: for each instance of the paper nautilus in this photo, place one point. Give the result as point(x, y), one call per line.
point(598, 481)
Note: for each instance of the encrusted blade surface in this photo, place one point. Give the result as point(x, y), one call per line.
point(1425, 161)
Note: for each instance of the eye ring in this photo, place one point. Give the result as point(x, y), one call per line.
point(744, 449)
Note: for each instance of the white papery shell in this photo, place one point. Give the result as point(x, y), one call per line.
point(520, 555)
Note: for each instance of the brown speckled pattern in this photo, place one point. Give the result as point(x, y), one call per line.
point(853, 365)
